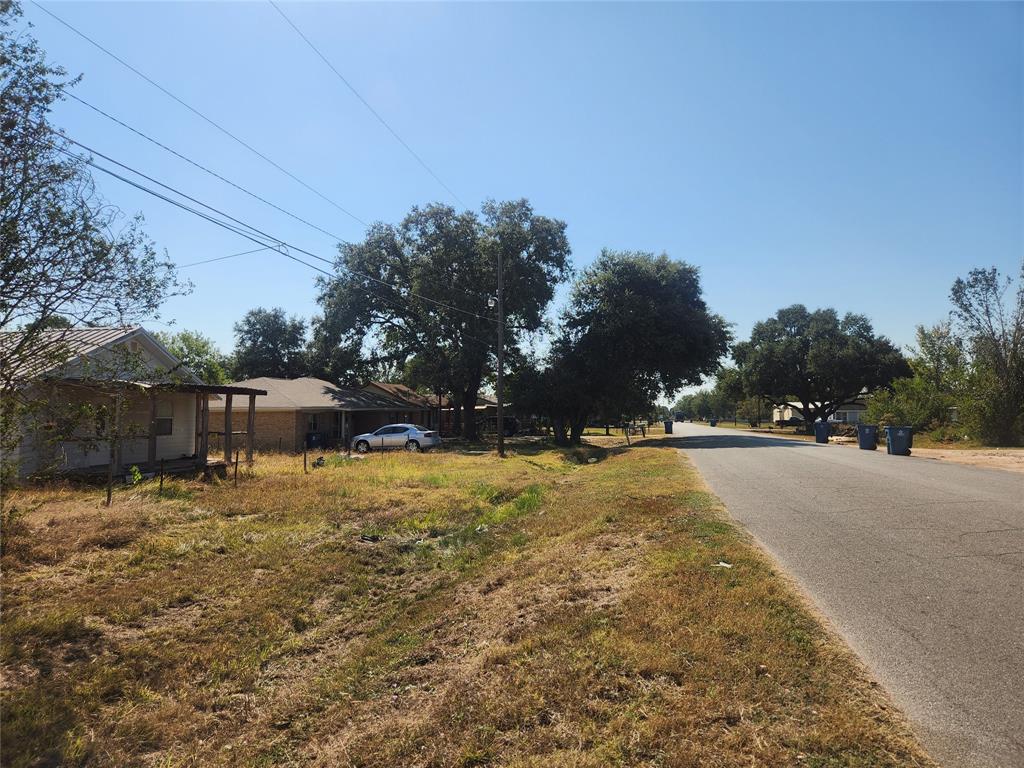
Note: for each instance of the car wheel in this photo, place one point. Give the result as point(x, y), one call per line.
point(362, 446)
point(412, 445)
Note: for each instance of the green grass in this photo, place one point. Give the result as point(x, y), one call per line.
point(420, 609)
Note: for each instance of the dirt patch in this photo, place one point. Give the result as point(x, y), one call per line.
point(1011, 459)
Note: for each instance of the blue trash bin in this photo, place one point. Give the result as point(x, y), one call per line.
point(898, 440)
point(821, 431)
point(867, 437)
point(668, 427)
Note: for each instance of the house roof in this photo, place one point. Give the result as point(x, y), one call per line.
point(402, 392)
point(57, 348)
point(308, 394)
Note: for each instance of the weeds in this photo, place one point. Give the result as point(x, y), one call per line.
point(412, 609)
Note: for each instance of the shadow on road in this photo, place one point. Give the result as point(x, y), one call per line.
point(724, 441)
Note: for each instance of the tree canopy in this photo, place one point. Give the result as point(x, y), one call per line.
point(636, 327)
point(817, 360)
point(67, 257)
point(198, 353)
point(269, 343)
point(993, 331)
point(421, 291)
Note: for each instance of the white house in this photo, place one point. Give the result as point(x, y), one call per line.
point(122, 400)
point(848, 413)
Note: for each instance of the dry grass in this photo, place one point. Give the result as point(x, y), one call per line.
point(420, 610)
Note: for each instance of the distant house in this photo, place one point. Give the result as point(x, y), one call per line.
point(316, 413)
point(848, 413)
point(117, 398)
point(433, 404)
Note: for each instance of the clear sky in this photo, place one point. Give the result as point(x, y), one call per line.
point(855, 155)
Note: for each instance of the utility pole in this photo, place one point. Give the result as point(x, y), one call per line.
point(500, 389)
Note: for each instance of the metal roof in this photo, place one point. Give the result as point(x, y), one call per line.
point(56, 348)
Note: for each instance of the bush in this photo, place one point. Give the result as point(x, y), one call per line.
point(912, 402)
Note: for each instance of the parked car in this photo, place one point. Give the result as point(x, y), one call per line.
point(411, 437)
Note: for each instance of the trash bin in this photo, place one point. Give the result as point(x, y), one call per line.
point(867, 437)
point(314, 440)
point(713, 422)
point(821, 431)
point(668, 427)
point(898, 440)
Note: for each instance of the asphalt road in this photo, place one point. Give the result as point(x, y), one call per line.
point(918, 563)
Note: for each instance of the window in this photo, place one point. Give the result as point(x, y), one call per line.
point(312, 422)
point(164, 424)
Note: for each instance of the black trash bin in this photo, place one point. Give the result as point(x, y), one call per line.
point(713, 423)
point(898, 440)
point(821, 431)
point(867, 437)
point(668, 427)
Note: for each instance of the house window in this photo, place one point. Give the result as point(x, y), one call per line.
point(164, 423)
point(312, 422)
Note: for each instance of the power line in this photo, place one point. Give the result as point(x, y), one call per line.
point(200, 166)
point(247, 230)
point(196, 112)
point(222, 258)
point(168, 187)
point(366, 104)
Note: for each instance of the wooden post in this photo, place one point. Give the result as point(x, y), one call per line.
point(115, 455)
point(198, 442)
point(161, 478)
point(227, 428)
point(151, 456)
point(236, 468)
point(204, 442)
point(250, 430)
point(305, 466)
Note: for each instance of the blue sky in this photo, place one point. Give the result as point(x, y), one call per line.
point(855, 155)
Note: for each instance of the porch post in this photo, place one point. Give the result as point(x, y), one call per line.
point(227, 428)
point(197, 437)
point(204, 432)
point(151, 455)
point(250, 430)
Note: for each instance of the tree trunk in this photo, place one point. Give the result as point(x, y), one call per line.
point(576, 430)
point(456, 404)
point(809, 416)
point(607, 430)
point(469, 431)
point(560, 430)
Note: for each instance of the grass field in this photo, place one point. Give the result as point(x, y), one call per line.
point(419, 610)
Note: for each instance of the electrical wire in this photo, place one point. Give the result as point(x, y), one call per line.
point(248, 231)
point(196, 112)
point(200, 166)
point(221, 258)
point(366, 104)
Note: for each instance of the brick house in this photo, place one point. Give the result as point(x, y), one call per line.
point(313, 412)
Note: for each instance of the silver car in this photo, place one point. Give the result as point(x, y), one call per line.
point(411, 437)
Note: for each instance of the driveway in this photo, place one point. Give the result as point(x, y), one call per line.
point(919, 564)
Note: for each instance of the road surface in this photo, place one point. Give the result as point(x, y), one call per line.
point(918, 563)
